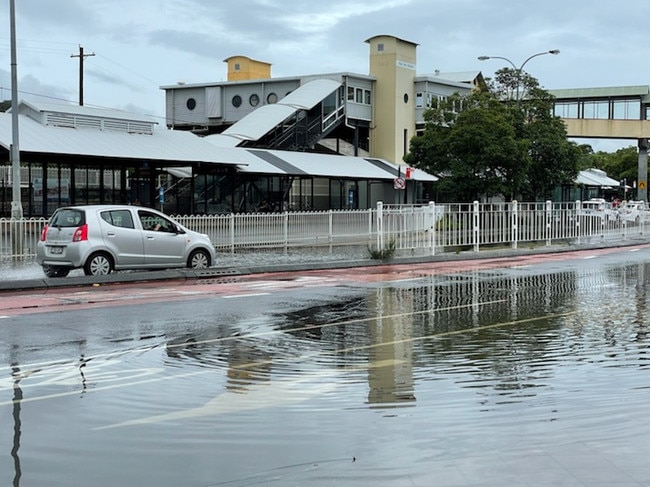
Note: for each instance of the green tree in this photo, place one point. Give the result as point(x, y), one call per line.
point(504, 142)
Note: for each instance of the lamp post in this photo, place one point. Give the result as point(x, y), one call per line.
point(519, 69)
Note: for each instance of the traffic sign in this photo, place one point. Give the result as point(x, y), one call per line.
point(399, 183)
point(641, 184)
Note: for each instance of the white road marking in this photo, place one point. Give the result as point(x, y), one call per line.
point(230, 296)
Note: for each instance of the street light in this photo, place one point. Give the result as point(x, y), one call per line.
point(519, 69)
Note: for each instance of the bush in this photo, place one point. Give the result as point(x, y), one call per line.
point(383, 254)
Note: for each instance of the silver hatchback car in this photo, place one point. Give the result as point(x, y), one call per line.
point(103, 238)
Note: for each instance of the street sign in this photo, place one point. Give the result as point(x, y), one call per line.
point(399, 183)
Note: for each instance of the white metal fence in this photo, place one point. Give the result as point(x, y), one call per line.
point(425, 229)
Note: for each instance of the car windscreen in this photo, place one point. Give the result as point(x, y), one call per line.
point(68, 217)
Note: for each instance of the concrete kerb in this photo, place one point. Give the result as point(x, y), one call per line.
point(213, 273)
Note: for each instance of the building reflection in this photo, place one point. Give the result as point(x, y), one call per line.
point(390, 355)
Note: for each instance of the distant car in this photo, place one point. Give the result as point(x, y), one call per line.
point(632, 211)
point(598, 207)
point(103, 238)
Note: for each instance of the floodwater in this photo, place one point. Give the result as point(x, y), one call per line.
point(496, 377)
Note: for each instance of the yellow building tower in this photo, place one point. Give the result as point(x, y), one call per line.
point(241, 68)
point(393, 64)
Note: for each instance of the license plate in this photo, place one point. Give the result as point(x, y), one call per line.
point(56, 250)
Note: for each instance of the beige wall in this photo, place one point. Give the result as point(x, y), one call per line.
point(612, 129)
point(394, 67)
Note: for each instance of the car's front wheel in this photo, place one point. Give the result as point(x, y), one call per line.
point(51, 271)
point(98, 265)
point(199, 259)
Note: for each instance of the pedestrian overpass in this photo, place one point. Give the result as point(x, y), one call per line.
point(621, 112)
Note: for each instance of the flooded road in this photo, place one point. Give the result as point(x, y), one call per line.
point(529, 372)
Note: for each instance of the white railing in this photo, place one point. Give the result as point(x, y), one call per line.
point(423, 229)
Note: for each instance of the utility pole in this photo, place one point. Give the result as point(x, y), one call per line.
point(16, 201)
point(81, 57)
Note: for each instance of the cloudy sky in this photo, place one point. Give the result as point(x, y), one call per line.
point(140, 45)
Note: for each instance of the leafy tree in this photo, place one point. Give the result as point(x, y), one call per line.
point(622, 164)
point(504, 142)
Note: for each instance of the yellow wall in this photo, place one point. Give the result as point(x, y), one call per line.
point(248, 69)
point(394, 67)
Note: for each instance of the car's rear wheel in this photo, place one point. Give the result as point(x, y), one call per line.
point(99, 264)
point(199, 259)
point(51, 271)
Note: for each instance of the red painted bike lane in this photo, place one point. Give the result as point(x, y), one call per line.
point(124, 294)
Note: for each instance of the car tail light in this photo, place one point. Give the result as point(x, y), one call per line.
point(44, 233)
point(81, 233)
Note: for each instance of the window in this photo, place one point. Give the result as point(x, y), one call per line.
point(237, 67)
point(272, 98)
point(68, 218)
point(380, 47)
point(419, 100)
point(118, 218)
point(190, 104)
point(595, 110)
point(358, 95)
point(406, 98)
point(627, 109)
point(236, 101)
point(368, 97)
point(350, 93)
point(254, 100)
point(566, 110)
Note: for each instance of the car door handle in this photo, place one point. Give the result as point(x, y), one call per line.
point(110, 234)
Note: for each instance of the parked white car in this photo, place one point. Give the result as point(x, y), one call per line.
point(633, 211)
point(598, 207)
point(103, 238)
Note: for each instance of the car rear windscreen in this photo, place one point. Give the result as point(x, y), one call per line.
point(67, 217)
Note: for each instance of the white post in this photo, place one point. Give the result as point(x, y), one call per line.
point(578, 213)
point(549, 222)
point(380, 226)
point(513, 222)
point(432, 229)
point(475, 227)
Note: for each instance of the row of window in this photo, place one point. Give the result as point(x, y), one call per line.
point(237, 100)
point(359, 95)
point(600, 110)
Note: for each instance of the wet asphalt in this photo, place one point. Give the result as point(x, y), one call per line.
point(32, 278)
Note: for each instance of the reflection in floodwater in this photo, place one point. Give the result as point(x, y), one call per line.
point(391, 335)
point(18, 396)
point(446, 369)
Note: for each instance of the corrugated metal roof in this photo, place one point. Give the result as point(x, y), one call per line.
point(221, 140)
point(162, 145)
point(310, 94)
point(259, 122)
point(85, 110)
point(604, 92)
point(595, 177)
point(332, 165)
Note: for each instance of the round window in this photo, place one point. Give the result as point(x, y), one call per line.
point(236, 101)
point(406, 98)
point(254, 100)
point(190, 104)
point(272, 98)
